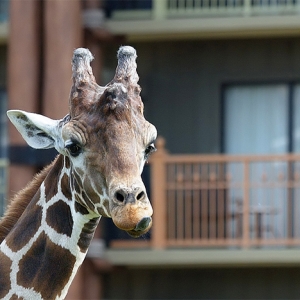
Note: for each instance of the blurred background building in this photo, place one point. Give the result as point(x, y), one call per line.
point(221, 82)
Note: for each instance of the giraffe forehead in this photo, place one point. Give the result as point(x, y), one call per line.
point(117, 111)
point(95, 129)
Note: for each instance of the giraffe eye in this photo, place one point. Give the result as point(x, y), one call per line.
point(150, 149)
point(74, 149)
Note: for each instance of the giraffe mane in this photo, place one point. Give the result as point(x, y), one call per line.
point(20, 201)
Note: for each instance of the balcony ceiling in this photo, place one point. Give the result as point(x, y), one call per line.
point(203, 258)
point(210, 27)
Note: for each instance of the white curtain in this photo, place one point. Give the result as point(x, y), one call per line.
point(256, 122)
point(256, 119)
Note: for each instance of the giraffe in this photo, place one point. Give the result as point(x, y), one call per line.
point(103, 144)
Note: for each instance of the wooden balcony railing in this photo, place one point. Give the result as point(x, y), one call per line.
point(146, 20)
point(224, 200)
point(170, 9)
point(179, 8)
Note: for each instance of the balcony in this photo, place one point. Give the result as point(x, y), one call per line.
point(169, 19)
point(222, 202)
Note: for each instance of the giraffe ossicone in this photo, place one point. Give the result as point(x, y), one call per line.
point(103, 144)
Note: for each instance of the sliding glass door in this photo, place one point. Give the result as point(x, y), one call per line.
point(265, 119)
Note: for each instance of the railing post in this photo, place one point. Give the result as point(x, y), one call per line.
point(246, 206)
point(247, 8)
point(159, 9)
point(158, 195)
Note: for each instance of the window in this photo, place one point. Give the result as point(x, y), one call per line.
point(261, 119)
point(296, 118)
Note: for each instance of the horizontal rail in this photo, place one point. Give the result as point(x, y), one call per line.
point(207, 158)
point(232, 242)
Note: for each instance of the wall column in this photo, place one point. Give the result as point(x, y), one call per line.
point(23, 76)
point(62, 35)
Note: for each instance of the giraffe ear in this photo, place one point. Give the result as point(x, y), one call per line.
point(38, 131)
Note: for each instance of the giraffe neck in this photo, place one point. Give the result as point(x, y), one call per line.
point(42, 252)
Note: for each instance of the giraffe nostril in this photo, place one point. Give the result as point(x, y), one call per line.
point(125, 197)
point(140, 196)
point(120, 197)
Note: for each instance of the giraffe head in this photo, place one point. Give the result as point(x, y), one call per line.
point(105, 140)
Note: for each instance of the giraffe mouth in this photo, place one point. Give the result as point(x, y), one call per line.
point(141, 228)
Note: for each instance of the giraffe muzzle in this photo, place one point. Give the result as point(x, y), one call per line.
point(131, 211)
